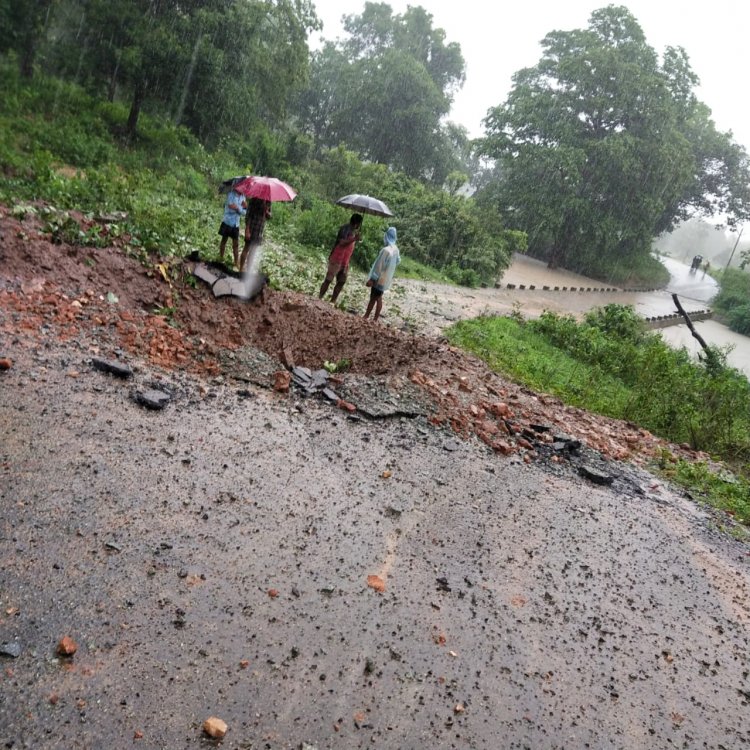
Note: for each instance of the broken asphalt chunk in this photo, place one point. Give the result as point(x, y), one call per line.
point(595, 475)
point(302, 376)
point(115, 368)
point(319, 379)
point(152, 399)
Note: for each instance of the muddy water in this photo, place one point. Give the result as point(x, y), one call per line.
point(213, 558)
point(713, 333)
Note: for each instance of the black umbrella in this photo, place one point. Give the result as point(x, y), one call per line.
point(227, 185)
point(365, 204)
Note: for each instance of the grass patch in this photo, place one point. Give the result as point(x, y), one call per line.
point(413, 269)
point(611, 365)
point(515, 349)
point(720, 490)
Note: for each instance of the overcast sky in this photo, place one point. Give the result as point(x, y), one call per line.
point(498, 39)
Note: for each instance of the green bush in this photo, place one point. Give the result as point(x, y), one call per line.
point(610, 364)
point(733, 300)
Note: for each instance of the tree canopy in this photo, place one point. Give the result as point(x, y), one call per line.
point(601, 146)
point(384, 90)
point(218, 66)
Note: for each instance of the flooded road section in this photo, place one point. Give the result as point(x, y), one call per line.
point(214, 559)
point(437, 306)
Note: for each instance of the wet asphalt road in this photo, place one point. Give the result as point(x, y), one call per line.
point(212, 560)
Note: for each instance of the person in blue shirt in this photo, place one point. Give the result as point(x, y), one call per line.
point(234, 208)
point(381, 273)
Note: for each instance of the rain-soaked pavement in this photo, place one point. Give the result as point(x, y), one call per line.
point(212, 559)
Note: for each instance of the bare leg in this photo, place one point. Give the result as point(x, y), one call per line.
point(324, 288)
point(370, 305)
point(236, 251)
point(222, 248)
point(340, 281)
point(378, 307)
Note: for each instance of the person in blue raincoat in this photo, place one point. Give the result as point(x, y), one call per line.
point(381, 273)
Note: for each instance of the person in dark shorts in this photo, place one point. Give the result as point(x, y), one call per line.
point(338, 260)
point(234, 208)
point(381, 273)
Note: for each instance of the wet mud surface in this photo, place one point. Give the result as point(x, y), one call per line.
point(324, 578)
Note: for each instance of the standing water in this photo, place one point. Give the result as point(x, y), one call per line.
point(695, 289)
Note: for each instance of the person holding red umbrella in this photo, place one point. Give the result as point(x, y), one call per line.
point(258, 210)
point(261, 191)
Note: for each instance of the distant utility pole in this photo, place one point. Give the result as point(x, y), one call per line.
point(731, 255)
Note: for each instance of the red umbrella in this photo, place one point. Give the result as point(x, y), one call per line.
point(266, 188)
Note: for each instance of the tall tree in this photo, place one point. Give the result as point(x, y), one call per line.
point(218, 66)
point(601, 147)
point(24, 25)
point(384, 90)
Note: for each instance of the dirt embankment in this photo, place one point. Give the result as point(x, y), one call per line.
point(157, 311)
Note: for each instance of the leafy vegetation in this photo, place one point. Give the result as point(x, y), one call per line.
point(733, 300)
point(59, 144)
point(383, 90)
point(601, 147)
point(718, 489)
point(610, 364)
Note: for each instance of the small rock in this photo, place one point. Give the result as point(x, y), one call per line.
point(281, 381)
point(115, 368)
point(215, 728)
point(10, 649)
point(376, 583)
point(67, 646)
point(152, 399)
point(5, 363)
point(451, 445)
